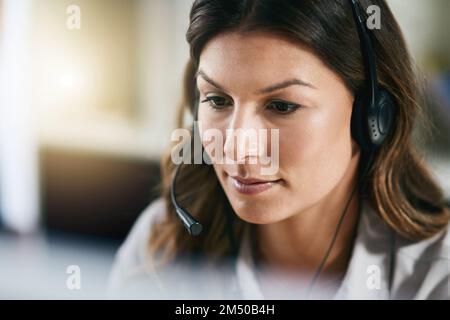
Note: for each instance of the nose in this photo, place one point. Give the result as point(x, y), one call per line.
point(245, 135)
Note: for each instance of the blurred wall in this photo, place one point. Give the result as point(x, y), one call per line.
point(114, 85)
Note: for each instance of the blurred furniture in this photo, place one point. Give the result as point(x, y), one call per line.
point(94, 194)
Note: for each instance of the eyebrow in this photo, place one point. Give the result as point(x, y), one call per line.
point(272, 88)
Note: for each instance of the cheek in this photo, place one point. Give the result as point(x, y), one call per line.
point(212, 137)
point(316, 152)
point(209, 126)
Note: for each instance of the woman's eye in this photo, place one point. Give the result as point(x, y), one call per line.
point(217, 102)
point(283, 107)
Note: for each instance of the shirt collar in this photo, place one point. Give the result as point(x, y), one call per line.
point(367, 272)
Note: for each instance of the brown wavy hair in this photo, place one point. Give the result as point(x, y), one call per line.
point(399, 185)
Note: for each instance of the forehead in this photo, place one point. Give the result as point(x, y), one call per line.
point(259, 56)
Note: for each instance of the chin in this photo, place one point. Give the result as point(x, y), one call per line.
point(252, 212)
point(252, 217)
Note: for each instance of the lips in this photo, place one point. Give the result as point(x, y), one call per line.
point(252, 186)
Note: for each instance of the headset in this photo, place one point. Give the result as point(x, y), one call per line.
point(373, 115)
point(374, 107)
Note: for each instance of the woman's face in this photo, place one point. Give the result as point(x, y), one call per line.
point(262, 81)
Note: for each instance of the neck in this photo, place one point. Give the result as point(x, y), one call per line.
point(299, 244)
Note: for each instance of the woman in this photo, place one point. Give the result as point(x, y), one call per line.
point(332, 221)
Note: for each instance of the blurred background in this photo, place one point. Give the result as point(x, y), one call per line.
point(88, 95)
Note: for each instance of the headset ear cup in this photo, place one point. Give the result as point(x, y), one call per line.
point(387, 109)
point(371, 126)
point(357, 122)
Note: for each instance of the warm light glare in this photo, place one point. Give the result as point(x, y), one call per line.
point(70, 82)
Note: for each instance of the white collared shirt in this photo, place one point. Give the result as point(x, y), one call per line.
point(381, 267)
